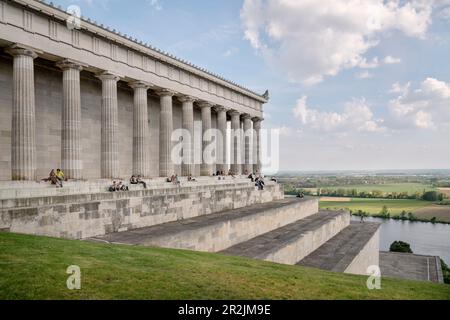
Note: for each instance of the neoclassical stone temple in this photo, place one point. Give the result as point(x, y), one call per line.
point(101, 105)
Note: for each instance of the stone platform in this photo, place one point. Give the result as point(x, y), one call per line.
point(411, 267)
point(219, 231)
point(293, 242)
point(83, 215)
point(353, 250)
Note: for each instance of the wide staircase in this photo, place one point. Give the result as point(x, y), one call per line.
point(230, 217)
point(288, 231)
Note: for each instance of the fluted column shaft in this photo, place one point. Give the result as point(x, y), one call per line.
point(166, 167)
point(221, 149)
point(141, 155)
point(248, 166)
point(188, 164)
point(23, 139)
point(110, 126)
point(71, 161)
point(236, 142)
point(206, 167)
point(257, 144)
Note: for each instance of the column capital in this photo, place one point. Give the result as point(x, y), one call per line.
point(135, 84)
point(165, 92)
point(257, 119)
point(205, 104)
point(107, 75)
point(18, 50)
point(70, 64)
point(218, 109)
point(185, 98)
point(234, 113)
point(246, 116)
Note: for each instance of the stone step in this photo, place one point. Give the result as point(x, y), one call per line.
point(31, 189)
point(216, 232)
point(291, 243)
point(89, 193)
point(84, 216)
point(353, 250)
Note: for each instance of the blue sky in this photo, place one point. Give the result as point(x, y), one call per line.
point(354, 84)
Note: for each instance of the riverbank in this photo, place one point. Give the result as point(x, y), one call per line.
point(399, 209)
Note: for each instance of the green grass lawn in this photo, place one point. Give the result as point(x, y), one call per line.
point(374, 206)
point(411, 188)
point(35, 268)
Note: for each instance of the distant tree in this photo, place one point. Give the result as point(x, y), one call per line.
point(362, 215)
point(400, 246)
point(441, 197)
point(445, 272)
point(385, 212)
point(430, 196)
point(403, 215)
point(411, 216)
point(433, 220)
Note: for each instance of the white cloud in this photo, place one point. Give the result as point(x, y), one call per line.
point(427, 107)
point(310, 39)
point(364, 75)
point(231, 52)
point(398, 88)
point(356, 116)
point(156, 4)
point(391, 60)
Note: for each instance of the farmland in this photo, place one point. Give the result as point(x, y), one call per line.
point(421, 209)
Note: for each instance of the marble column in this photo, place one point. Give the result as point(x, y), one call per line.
point(166, 167)
point(235, 142)
point(188, 164)
point(248, 166)
point(221, 146)
point(110, 127)
point(206, 167)
point(141, 151)
point(23, 139)
point(71, 160)
point(257, 144)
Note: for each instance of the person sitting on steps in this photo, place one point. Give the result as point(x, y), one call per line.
point(60, 177)
point(113, 188)
point(138, 180)
point(52, 178)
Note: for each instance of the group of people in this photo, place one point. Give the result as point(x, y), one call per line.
point(175, 180)
point(120, 186)
point(258, 180)
point(56, 178)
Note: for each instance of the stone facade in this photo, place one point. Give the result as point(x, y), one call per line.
point(92, 123)
point(89, 215)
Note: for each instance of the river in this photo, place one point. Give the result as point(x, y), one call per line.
point(424, 237)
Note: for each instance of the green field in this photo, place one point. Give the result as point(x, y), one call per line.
point(411, 188)
point(374, 206)
point(35, 268)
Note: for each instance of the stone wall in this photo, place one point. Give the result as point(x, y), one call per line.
point(83, 216)
point(223, 234)
point(368, 256)
point(308, 242)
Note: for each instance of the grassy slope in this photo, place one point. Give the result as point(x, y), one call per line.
point(34, 268)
